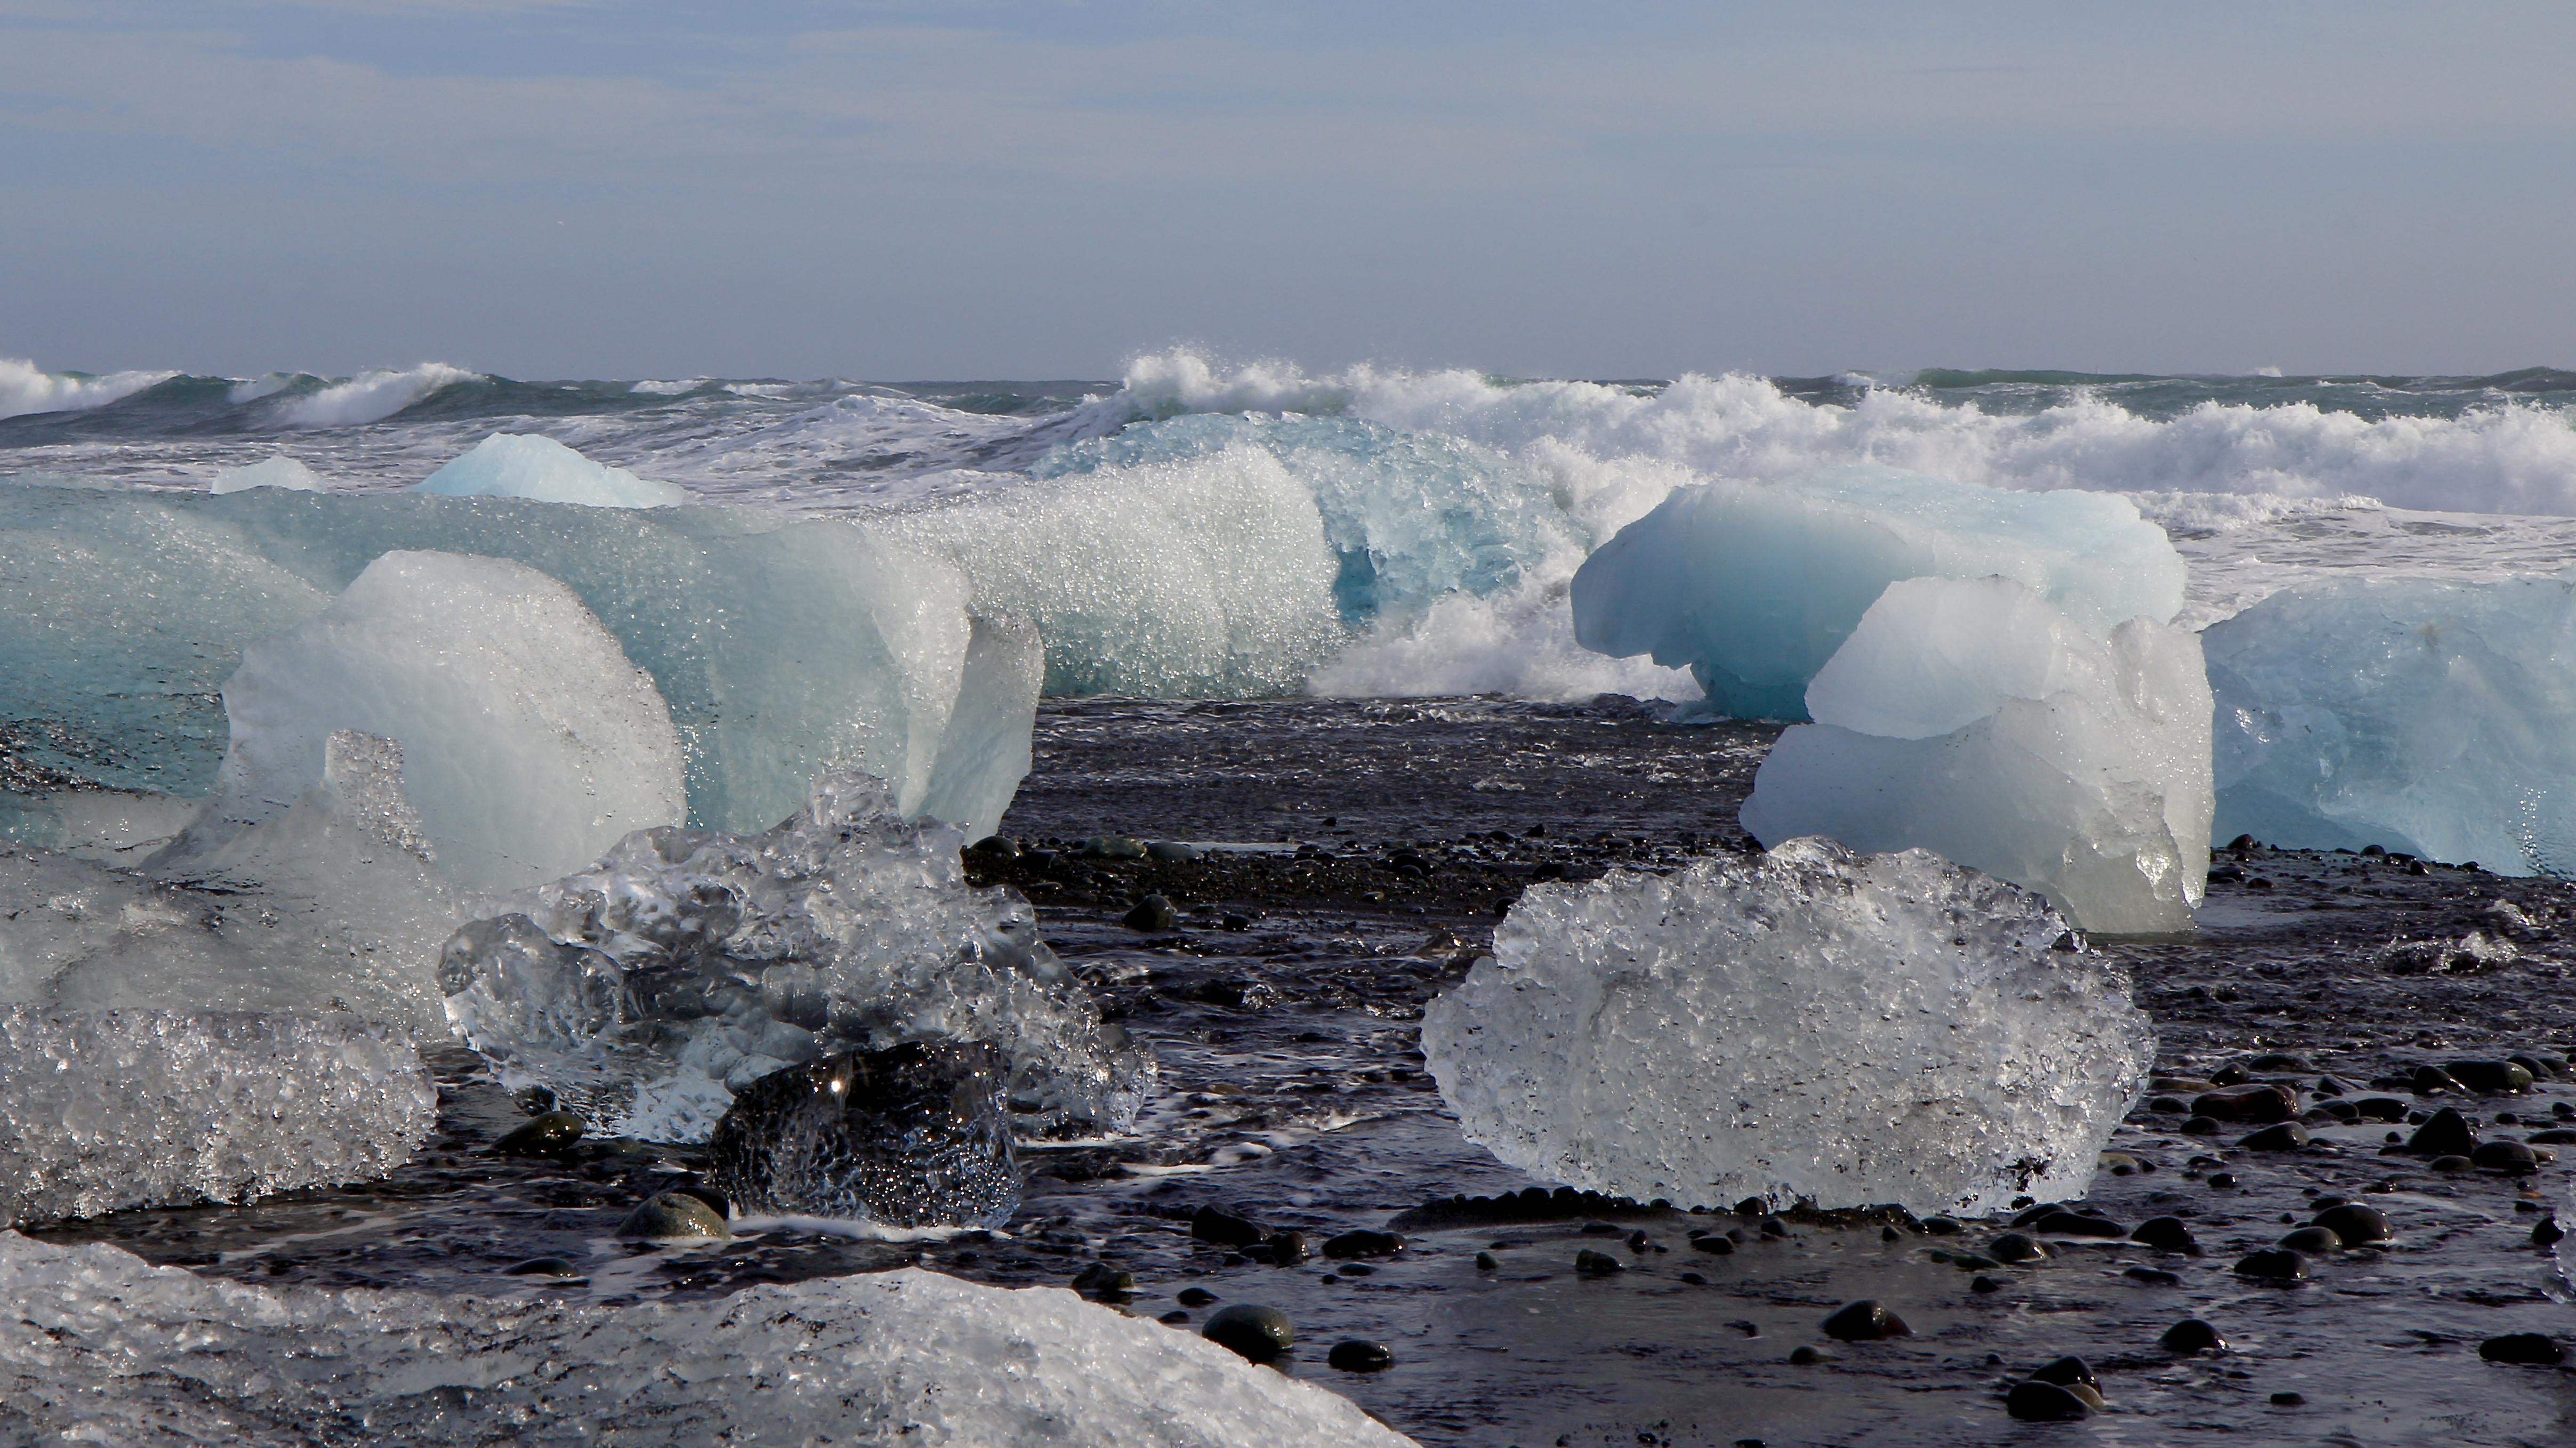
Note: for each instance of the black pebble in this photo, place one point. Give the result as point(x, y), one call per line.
point(2192, 1335)
point(1984, 1284)
point(1176, 1318)
point(1865, 1321)
point(2276, 1265)
point(2354, 1223)
point(2311, 1240)
point(2066, 1372)
point(2547, 1233)
point(1363, 1244)
point(1486, 1262)
point(2012, 1247)
point(1258, 1333)
point(1714, 1242)
point(2222, 1180)
point(2287, 1400)
point(1101, 1277)
point(1194, 1297)
point(2038, 1402)
point(1597, 1264)
point(1153, 915)
point(550, 1132)
point(2152, 1276)
point(2490, 1078)
point(1224, 1228)
point(2287, 1136)
point(1352, 1355)
point(1805, 1356)
point(542, 1267)
point(2505, 1156)
point(2445, 1133)
point(2166, 1234)
point(2537, 1349)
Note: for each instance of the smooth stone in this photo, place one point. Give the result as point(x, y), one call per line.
point(2287, 1136)
point(2381, 1108)
point(2536, 1349)
point(2505, 1156)
point(1714, 1242)
point(2274, 1265)
point(2547, 1233)
point(1153, 915)
point(2066, 1372)
point(1258, 1333)
point(1194, 1297)
point(1287, 1248)
point(2279, 1061)
point(2038, 1402)
point(1363, 1244)
point(550, 1132)
point(673, 1214)
point(2255, 1102)
point(2012, 1247)
point(1984, 1284)
point(542, 1267)
point(2192, 1335)
point(1972, 1262)
point(2539, 1068)
point(1597, 1264)
point(2166, 1234)
point(1173, 850)
point(1486, 1262)
point(2452, 1164)
point(2230, 1075)
point(2222, 1180)
point(2445, 1133)
point(1114, 847)
point(2288, 1400)
point(2152, 1276)
point(2311, 1241)
point(2200, 1126)
point(1103, 1278)
point(1865, 1321)
point(1354, 1355)
point(1175, 1317)
point(999, 847)
point(1209, 1224)
point(2490, 1078)
point(1940, 1226)
point(2428, 1080)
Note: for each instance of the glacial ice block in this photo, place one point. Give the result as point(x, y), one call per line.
point(1754, 585)
point(687, 964)
point(1977, 720)
point(1853, 1029)
point(530, 744)
point(519, 465)
point(101, 1346)
point(280, 471)
point(101, 1110)
point(2431, 718)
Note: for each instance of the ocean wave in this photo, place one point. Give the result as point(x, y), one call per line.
point(372, 396)
point(25, 389)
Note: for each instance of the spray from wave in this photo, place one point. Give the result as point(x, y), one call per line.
point(372, 396)
point(25, 389)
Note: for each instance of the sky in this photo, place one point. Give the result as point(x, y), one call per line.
point(969, 190)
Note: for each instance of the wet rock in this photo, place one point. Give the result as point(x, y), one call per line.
point(2202, 1126)
point(673, 1215)
point(2192, 1335)
point(2272, 1265)
point(2381, 1108)
point(1804, 1357)
point(1774, 1227)
point(1972, 1262)
point(2452, 1164)
point(1154, 915)
point(2286, 1136)
point(1104, 1279)
point(2311, 1241)
point(2547, 1233)
point(1194, 1297)
point(1113, 847)
point(1173, 851)
point(2538, 1066)
point(1175, 1318)
point(2535, 1349)
point(542, 1267)
point(540, 1136)
point(2038, 1402)
point(1865, 1321)
point(1354, 1355)
point(1716, 1242)
point(1940, 1226)
point(1597, 1264)
point(2013, 1247)
point(2354, 1224)
point(1363, 1244)
point(2490, 1078)
point(1487, 1262)
point(2511, 1157)
point(2166, 1234)
point(995, 847)
point(2433, 1080)
point(1984, 1284)
point(2446, 1133)
point(2279, 1061)
point(2230, 1075)
point(2257, 1102)
point(1286, 1249)
point(1224, 1228)
point(2288, 1400)
point(2222, 1180)
point(2152, 1276)
point(918, 1135)
point(1254, 1332)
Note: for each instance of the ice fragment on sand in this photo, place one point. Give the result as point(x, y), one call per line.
point(1754, 586)
point(687, 964)
point(914, 1136)
point(101, 1110)
point(2427, 717)
point(1976, 720)
point(517, 465)
point(280, 471)
point(98, 1345)
point(530, 744)
point(1809, 1023)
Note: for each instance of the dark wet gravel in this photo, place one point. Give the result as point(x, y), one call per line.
point(1295, 1101)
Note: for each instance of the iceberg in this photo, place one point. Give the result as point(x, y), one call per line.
point(781, 647)
point(280, 471)
point(2427, 717)
point(646, 992)
point(102, 1110)
point(1753, 586)
point(101, 1346)
point(530, 744)
point(1978, 720)
point(520, 465)
point(1810, 1023)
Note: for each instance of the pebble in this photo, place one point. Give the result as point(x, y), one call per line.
point(2274, 1265)
point(2381, 1108)
point(2038, 1402)
point(674, 1214)
point(1194, 1297)
point(2152, 1276)
point(1224, 1228)
point(2428, 1080)
point(1153, 914)
point(1984, 1284)
point(1102, 1278)
point(1286, 1248)
point(1355, 1355)
point(2490, 1078)
point(2547, 1233)
point(999, 847)
point(2311, 1241)
point(1597, 1264)
point(2452, 1164)
point(2192, 1335)
point(2012, 1247)
point(550, 1132)
point(1254, 1332)
point(1805, 1356)
point(2222, 1180)
point(1716, 1242)
point(542, 1267)
point(1865, 1321)
point(1363, 1244)
point(2535, 1349)
point(2288, 1400)
point(2256, 1102)
point(1114, 847)
point(1173, 850)
point(1485, 1262)
point(1176, 1318)
point(2287, 1136)
point(2505, 1156)
point(2166, 1234)
point(2201, 1126)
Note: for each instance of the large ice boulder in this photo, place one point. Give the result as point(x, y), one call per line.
point(521, 465)
point(280, 471)
point(1810, 1023)
point(1978, 720)
point(101, 1110)
point(530, 744)
point(687, 964)
point(2428, 717)
point(100, 1346)
point(1754, 585)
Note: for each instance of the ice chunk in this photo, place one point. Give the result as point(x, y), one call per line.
point(101, 1346)
point(530, 743)
point(1754, 586)
point(987, 747)
point(1808, 1023)
point(2427, 717)
point(101, 1110)
point(783, 647)
point(521, 465)
point(688, 964)
point(913, 1136)
point(1976, 720)
point(280, 471)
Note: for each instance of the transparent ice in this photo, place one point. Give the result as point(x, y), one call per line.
point(2429, 717)
point(1977, 720)
point(1809, 1023)
point(687, 964)
point(101, 1347)
point(1754, 586)
point(520, 465)
point(280, 471)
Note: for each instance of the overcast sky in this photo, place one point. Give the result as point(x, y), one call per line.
point(1043, 190)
